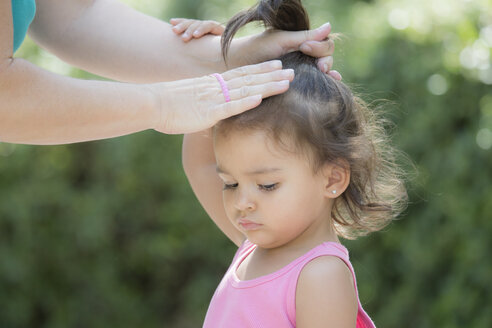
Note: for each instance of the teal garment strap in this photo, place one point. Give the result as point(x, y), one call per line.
point(22, 15)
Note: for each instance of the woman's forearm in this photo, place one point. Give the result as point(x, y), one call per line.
point(39, 107)
point(110, 39)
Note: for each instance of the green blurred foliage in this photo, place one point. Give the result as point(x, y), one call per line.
point(108, 233)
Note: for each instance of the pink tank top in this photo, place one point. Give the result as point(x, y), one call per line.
point(268, 301)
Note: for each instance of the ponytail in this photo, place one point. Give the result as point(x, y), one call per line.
point(288, 15)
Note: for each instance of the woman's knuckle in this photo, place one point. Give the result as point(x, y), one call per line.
point(247, 80)
point(244, 91)
point(306, 35)
point(242, 70)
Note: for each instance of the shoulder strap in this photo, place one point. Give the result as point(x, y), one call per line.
point(244, 248)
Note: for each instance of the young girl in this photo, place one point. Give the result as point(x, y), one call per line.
point(303, 169)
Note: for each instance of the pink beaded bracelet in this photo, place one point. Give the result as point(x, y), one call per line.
point(223, 85)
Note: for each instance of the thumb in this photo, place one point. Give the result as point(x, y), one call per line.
point(318, 34)
point(293, 40)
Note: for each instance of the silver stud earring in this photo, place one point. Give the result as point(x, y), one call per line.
point(334, 192)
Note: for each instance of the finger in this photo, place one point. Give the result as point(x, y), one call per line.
point(265, 67)
point(293, 40)
point(181, 27)
point(218, 29)
point(320, 33)
point(235, 107)
point(265, 90)
point(325, 64)
point(318, 48)
point(205, 27)
point(208, 27)
point(175, 21)
point(337, 76)
point(255, 79)
point(188, 34)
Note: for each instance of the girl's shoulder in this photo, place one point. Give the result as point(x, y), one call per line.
point(326, 293)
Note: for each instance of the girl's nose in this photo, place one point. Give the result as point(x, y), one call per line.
point(244, 202)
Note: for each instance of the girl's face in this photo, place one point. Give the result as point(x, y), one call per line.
point(271, 195)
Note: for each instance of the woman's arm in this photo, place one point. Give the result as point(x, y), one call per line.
point(110, 39)
point(200, 168)
point(39, 107)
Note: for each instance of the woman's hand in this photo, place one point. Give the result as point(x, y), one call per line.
point(315, 43)
point(274, 43)
point(194, 105)
point(193, 28)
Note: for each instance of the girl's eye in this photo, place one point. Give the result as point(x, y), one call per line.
point(269, 187)
point(229, 186)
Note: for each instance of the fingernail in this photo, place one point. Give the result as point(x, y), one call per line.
point(325, 25)
point(276, 64)
point(288, 71)
point(195, 33)
point(306, 48)
point(325, 68)
point(255, 99)
point(336, 75)
point(185, 35)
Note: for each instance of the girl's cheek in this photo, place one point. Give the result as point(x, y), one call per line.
point(226, 197)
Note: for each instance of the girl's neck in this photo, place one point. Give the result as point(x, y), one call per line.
point(264, 261)
point(300, 245)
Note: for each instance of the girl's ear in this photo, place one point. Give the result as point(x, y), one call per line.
point(336, 177)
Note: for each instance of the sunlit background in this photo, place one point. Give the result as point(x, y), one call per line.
point(109, 234)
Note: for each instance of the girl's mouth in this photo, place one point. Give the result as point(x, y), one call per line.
point(248, 225)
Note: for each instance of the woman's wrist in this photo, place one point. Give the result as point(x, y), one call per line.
point(245, 51)
point(152, 109)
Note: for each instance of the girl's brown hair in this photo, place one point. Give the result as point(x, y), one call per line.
point(323, 114)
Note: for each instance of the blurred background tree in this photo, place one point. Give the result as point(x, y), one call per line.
point(108, 233)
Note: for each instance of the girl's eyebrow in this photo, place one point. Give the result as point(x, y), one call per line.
point(262, 170)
